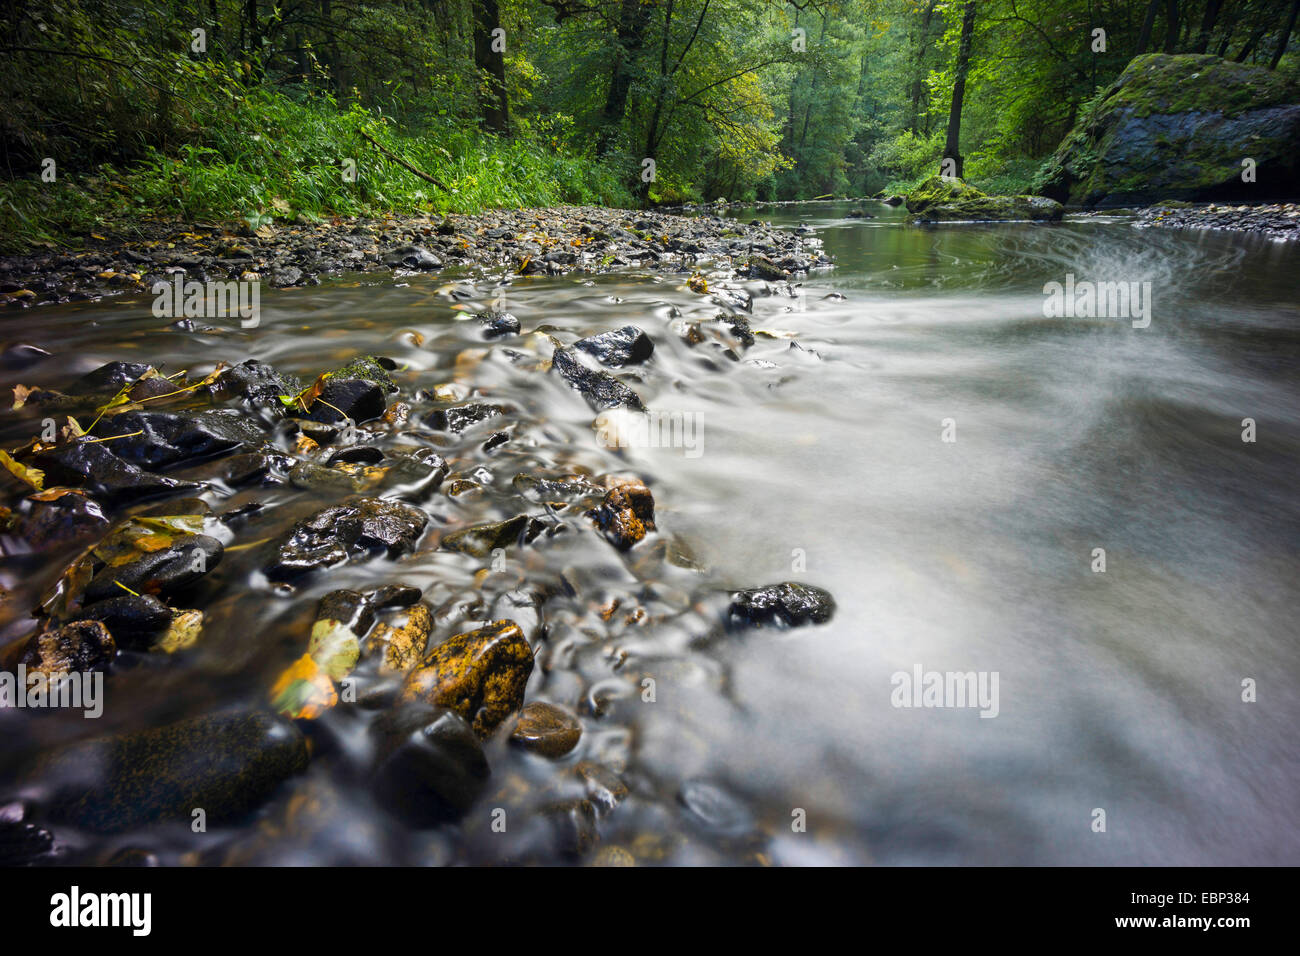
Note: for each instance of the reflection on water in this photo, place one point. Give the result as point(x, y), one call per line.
point(824, 463)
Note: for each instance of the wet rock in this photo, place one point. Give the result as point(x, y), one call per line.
point(626, 346)
point(348, 531)
point(740, 329)
point(20, 355)
point(350, 609)
point(573, 824)
point(789, 604)
point(626, 515)
point(79, 647)
point(166, 439)
point(429, 766)
point(413, 477)
point(26, 844)
point(226, 764)
point(355, 399)
point(394, 595)
point(600, 389)
point(135, 621)
point(547, 730)
point(163, 572)
point(357, 454)
point(761, 267)
point(498, 325)
point(715, 808)
point(107, 378)
point(400, 644)
point(57, 519)
point(412, 257)
point(133, 856)
point(104, 474)
point(480, 675)
point(257, 382)
point(604, 788)
point(459, 417)
point(482, 539)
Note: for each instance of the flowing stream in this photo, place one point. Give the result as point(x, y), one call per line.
point(826, 463)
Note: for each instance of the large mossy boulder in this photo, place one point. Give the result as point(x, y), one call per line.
point(1179, 127)
point(943, 199)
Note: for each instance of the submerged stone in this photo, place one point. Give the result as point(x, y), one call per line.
point(225, 764)
point(480, 675)
point(546, 729)
point(429, 766)
point(482, 539)
point(457, 418)
point(498, 325)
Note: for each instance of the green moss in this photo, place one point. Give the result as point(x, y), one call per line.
point(367, 367)
point(952, 200)
point(1156, 83)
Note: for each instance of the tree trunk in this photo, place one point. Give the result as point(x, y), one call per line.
point(1212, 8)
point(634, 18)
point(1285, 37)
point(1148, 24)
point(918, 75)
point(950, 150)
point(493, 105)
point(1171, 27)
point(661, 96)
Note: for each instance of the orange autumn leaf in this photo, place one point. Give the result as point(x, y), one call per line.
point(303, 691)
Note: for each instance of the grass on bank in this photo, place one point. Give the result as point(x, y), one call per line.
point(266, 156)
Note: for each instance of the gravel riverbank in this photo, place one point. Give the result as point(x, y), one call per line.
point(525, 242)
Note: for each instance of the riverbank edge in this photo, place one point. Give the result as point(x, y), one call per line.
point(500, 242)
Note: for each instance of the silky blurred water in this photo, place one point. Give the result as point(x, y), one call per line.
point(1119, 690)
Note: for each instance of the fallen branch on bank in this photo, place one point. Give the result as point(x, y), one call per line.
point(404, 164)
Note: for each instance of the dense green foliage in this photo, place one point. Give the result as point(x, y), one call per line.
point(253, 109)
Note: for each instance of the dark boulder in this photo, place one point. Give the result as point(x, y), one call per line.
point(600, 389)
point(166, 571)
point(618, 347)
point(224, 764)
point(498, 325)
point(355, 399)
point(429, 766)
point(348, 531)
point(167, 439)
point(1180, 127)
point(136, 621)
point(788, 605)
point(104, 474)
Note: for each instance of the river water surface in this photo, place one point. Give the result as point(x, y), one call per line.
point(825, 463)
